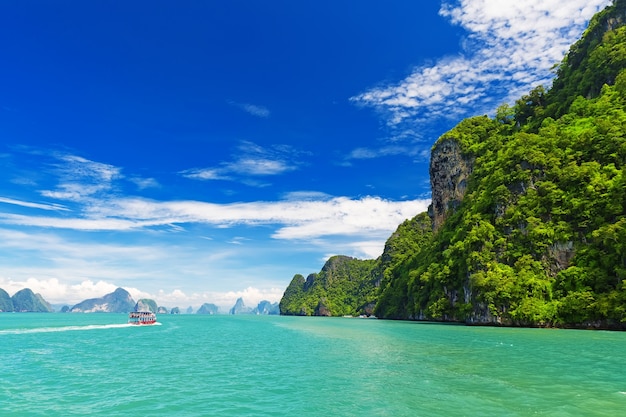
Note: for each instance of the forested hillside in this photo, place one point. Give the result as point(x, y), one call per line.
point(529, 223)
point(349, 286)
point(540, 235)
point(344, 286)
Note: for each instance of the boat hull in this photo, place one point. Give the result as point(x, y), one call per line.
point(144, 323)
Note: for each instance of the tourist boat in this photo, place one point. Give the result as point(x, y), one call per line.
point(141, 317)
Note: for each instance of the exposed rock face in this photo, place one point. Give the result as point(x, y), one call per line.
point(119, 301)
point(310, 279)
point(162, 310)
point(560, 255)
point(27, 301)
point(322, 308)
point(368, 309)
point(175, 310)
point(146, 304)
point(207, 308)
point(6, 304)
point(449, 172)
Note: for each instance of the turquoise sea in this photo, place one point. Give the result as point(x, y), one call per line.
point(192, 365)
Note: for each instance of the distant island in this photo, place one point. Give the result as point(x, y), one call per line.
point(23, 301)
point(119, 301)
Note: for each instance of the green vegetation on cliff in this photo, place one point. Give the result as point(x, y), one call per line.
point(539, 237)
point(349, 286)
point(404, 244)
point(592, 62)
point(529, 226)
point(344, 286)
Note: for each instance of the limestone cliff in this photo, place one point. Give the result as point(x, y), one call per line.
point(450, 169)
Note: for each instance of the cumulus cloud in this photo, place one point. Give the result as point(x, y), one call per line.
point(510, 47)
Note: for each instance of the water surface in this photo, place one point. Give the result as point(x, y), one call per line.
point(193, 365)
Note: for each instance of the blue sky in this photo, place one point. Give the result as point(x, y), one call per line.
point(200, 151)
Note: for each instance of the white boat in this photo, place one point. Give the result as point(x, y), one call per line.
point(141, 318)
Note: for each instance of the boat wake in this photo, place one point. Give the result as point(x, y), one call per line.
point(156, 323)
point(66, 328)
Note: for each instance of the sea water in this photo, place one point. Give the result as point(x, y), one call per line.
point(194, 365)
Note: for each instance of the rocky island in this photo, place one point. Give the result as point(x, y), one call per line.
point(23, 301)
point(527, 225)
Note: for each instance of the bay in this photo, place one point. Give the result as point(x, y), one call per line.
point(194, 365)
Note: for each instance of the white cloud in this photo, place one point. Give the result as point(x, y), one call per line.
point(250, 295)
point(510, 48)
point(57, 248)
point(249, 160)
point(205, 174)
point(259, 166)
point(144, 183)
point(253, 109)
point(306, 196)
point(418, 152)
point(361, 249)
point(80, 178)
point(42, 206)
point(75, 223)
point(296, 219)
point(55, 291)
point(71, 255)
point(224, 300)
point(79, 167)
